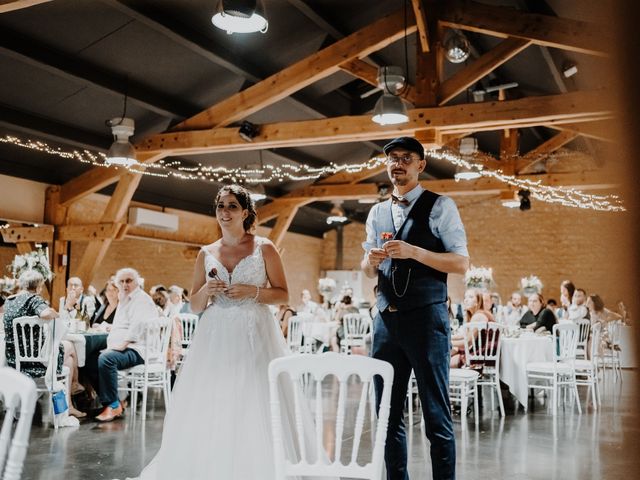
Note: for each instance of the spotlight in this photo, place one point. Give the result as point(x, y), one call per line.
point(248, 131)
point(121, 151)
point(240, 16)
point(569, 69)
point(525, 202)
point(337, 214)
point(456, 47)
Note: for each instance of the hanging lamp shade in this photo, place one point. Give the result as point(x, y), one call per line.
point(121, 151)
point(390, 110)
point(240, 16)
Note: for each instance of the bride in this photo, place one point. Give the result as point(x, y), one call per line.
point(218, 424)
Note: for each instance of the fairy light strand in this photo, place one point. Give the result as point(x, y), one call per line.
point(566, 196)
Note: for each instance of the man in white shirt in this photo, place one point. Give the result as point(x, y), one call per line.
point(514, 310)
point(76, 304)
point(578, 308)
point(125, 343)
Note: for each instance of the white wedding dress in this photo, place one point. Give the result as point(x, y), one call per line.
point(218, 423)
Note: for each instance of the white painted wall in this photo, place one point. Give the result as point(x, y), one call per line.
point(21, 200)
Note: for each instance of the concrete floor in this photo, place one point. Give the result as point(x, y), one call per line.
point(600, 445)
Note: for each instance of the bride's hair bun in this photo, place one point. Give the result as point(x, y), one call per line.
point(245, 201)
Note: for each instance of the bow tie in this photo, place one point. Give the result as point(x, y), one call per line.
point(400, 200)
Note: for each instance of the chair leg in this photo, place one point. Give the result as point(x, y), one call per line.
point(555, 395)
point(463, 401)
point(476, 415)
point(594, 395)
point(145, 390)
point(499, 394)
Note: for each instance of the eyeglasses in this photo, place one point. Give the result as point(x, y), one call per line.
point(126, 280)
point(405, 159)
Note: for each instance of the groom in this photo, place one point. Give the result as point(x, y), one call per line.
point(413, 241)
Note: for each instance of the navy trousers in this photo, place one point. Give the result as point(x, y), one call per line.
point(420, 340)
point(109, 362)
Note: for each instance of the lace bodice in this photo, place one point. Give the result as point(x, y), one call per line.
point(249, 271)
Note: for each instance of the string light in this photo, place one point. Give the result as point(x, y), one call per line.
point(566, 196)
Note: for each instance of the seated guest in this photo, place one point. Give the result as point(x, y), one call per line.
point(76, 304)
point(105, 315)
point(284, 313)
point(125, 343)
point(514, 310)
point(578, 309)
point(342, 308)
point(176, 300)
point(599, 314)
point(27, 302)
point(307, 305)
point(474, 311)
point(161, 300)
point(567, 289)
point(538, 318)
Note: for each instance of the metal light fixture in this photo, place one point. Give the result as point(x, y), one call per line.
point(509, 199)
point(525, 202)
point(337, 214)
point(466, 175)
point(256, 192)
point(121, 151)
point(456, 47)
point(240, 16)
point(391, 109)
point(248, 131)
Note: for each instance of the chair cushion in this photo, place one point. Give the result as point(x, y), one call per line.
point(462, 375)
point(549, 367)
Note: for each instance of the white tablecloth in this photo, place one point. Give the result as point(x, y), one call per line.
point(515, 354)
point(79, 343)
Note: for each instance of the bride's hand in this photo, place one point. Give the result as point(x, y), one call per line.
point(214, 287)
point(239, 291)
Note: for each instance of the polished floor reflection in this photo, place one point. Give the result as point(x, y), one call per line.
point(594, 445)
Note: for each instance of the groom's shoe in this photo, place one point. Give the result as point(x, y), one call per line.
point(109, 413)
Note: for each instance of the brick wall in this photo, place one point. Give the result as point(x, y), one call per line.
point(552, 242)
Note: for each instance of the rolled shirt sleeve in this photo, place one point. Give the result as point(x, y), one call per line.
point(446, 224)
point(371, 229)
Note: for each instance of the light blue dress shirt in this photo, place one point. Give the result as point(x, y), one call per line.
point(445, 222)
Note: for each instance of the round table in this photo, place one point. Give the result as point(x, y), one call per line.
point(515, 353)
point(87, 344)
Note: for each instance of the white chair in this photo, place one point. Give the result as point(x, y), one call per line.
point(587, 369)
point(18, 393)
point(463, 386)
point(294, 334)
point(611, 352)
point(560, 372)
point(31, 345)
point(314, 460)
point(356, 327)
point(189, 322)
point(153, 372)
point(584, 327)
point(482, 351)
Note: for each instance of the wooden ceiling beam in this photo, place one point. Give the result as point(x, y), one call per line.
point(421, 23)
point(96, 179)
point(544, 110)
point(11, 5)
point(301, 74)
point(86, 233)
point(603, 130)
point(481, 67)
point(563, 33)
point(39, 234)
point(546, 148)
point(283, 223)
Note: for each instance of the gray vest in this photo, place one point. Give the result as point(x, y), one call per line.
point(407, 284)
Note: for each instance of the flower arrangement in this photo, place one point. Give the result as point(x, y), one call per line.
point(531, 284)
point(37, 260)
point(478, 277)
point(326, 286)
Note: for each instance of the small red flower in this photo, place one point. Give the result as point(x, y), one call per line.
point(386, 236)
point(213, 273)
